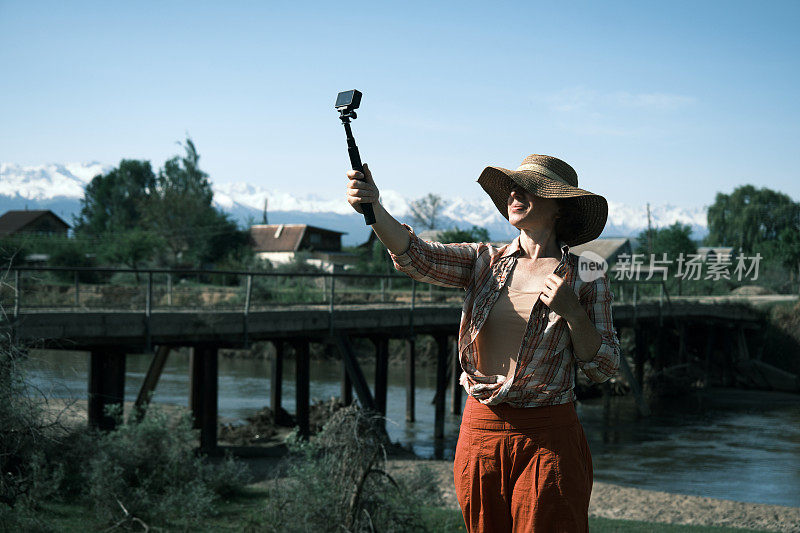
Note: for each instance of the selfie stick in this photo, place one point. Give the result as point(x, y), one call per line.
point(346, 103)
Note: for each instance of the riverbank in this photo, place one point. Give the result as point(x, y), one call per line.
point(609, 500)
point(613, 501)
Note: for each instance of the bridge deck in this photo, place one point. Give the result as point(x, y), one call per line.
point(67, 328)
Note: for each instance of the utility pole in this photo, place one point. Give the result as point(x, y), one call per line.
point(649, 231)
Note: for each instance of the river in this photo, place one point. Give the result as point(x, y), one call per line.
point(725, 443)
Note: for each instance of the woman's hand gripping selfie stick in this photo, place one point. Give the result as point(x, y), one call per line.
point(346, 103)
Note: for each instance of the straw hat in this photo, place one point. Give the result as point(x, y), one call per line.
point(550, 177)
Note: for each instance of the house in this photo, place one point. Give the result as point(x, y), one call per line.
point(712, 254)
point(284, 243)
point(608, 249)
point(39, 222)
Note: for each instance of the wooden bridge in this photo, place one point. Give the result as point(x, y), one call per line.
point(710, 340)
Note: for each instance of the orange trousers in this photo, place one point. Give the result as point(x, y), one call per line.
point(522, 469)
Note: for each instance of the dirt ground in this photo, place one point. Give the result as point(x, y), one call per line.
point(619, 502)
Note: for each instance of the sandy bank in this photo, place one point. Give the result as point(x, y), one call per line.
point(628, 503)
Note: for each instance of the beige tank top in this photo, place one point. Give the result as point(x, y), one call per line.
point(500, 337)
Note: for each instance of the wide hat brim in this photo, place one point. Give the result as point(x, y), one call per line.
point(588, 210)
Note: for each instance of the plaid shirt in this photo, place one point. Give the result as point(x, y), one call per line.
point(544, 373)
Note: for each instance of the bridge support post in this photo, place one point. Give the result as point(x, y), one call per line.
point(302, 385)
point(354, 370)
point(709, 352)
point(381, 372)
point(639, 354)
point(728, 360)
point(743, 353)
point(441, 386)
point(347, 386)
point(454, 382)
point(203, 394)
point(346, 391)
point(151, 379)
point(106, 385)
point(658, 362)
point(683, 356)
point(411, 355)
point(276, 378)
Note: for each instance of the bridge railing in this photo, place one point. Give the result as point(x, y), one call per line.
point(100, 288)
point(148, 290)
point(634, 291)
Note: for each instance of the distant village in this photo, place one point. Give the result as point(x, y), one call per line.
point(320, 247)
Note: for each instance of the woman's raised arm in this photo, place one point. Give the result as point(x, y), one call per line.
point(361, 188)
point(447, 265)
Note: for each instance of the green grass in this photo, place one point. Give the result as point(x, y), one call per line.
point(632, 526)
point(448, 520)
point(236, 513)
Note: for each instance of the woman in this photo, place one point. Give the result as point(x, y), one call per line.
point(522, 462)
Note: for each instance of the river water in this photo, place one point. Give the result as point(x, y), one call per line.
point(724, 443)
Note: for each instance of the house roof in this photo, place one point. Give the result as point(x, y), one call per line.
point(716, 249)
point(282, 237)
point(722, 251)
point(13, 221)
point(608, 249)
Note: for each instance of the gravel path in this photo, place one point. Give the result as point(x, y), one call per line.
point(628, 503)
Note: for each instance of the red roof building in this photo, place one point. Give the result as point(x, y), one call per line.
point(284, 243)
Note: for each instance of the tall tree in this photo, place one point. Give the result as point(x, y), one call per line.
point(425, 211)
point(131, 248)
point(749, 217)
point(112, 202)
point(474, 234)
point(181, 212)
point(788, 250)
point(672, 240)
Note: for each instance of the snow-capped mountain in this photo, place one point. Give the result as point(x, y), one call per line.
point(59, 187)
point(45, 182)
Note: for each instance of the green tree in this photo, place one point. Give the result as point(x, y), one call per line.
point(13, 251)
point(749, 217)
point(373, 259)
point(79, 251)
point(788, 250)
point(672, 240)
point(131, 248)
point(111, 214)
point(112, 202)
point(474, 234)
point(180, 211)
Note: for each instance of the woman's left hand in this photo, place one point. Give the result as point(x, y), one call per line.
point(560, 297)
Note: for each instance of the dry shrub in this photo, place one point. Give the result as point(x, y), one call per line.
point(33, 441)
point(149, 470)
point(337, 481)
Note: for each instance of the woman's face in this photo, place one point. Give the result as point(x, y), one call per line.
point(528, 211)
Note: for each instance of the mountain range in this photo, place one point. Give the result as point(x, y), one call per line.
point(59, 187)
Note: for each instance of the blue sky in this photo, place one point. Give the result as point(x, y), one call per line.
point(661, 102)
